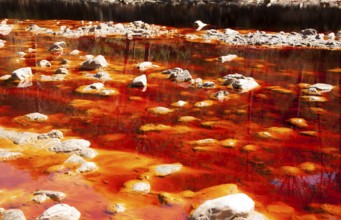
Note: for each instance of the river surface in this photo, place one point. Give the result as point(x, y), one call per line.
point(112, 125)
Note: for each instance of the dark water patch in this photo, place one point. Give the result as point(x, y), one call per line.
point(274, 17)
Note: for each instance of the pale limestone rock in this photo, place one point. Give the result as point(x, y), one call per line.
point(60, 212)
point(140, 81)
point(165, 169)
point(13, 214)
point(227, 207)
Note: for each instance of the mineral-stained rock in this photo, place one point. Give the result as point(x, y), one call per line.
point(234, 206)
point(154, 127)
point(204, 103)
point(308, 167)
point(165, 169)
point(203, 142)
point(54, 195)
point(74, 159)
point(160, 110)
point(308, 32)
point(321, 87)
point(145, 65)
point(221, 95)
point(281, 208)
point(140, 81)
point(179, 103)
point(94, 63)
point(8, 155)
point(74, 52)
point(188, 119)
point(240, 82)
point(299, 122)
point(291, 171)
point(60, 212)
point(101, 75)
point(229, 143)
point(137, 186)
point(13, 214)
point(22, 74)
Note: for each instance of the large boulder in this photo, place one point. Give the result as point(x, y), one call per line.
point(94, 63)
point(232, 206)
point(60, 212)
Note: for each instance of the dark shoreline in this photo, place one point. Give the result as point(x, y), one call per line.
point(275, 17)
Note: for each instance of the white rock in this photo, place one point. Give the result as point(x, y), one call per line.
point(227, 207)
point(86, 153)
point(74, 52)
point(22, 73)
point(87, 167)
point(60, 212)
point(70, 146)
point(5, 29)
point(57, 47)
point(227, 58)
point(179, 103)
point(74, 159)
point(145, 65)
point(166, 169)
point(96, 86)
point(8, 155)
point(140, 81)
point(54, 195)
point(36, 116)
point(94, 63)
point(141, 187)
point(13, 214)
point(44, 63)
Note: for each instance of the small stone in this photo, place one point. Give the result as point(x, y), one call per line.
point(94, 63)
point(22, 74)
point(203, 142)
point(250, 148)
point(140, 81)
point(62, 70)
point(87, 167)
point(264, 135)
point(229, 143)
point(70, 146)
point(115, 208)
point(52, 134)
point(154, 127)
point(13, 214)
point(321, 87)
point(204, 103)
point(309, 133)
point(160, 110)
point(21, 54)
point(227, 58)
point(74, 159)
point(179, 103)
point(227, 207)
point(221, 95)
point(36, 116)
point(313, 99)
point(208, 84)
point(57, 47)
point(165, 169)
point(44, 63)
point(144, 65)
point(308, 167)
point(40, 198)
point(298, 122)
point(60, 212)
point(188, 119)
point(54, 195)
point(74, 52)
point(179, 75)
point(137, 186)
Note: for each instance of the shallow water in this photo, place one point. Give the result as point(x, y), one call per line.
point(112, 125)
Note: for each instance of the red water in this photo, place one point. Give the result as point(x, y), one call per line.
point(114, 124)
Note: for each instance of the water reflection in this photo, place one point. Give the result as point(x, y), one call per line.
point(112, 124)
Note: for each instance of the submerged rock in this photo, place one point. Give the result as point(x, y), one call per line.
point(60, 212)
point(179, 103)
point(232, 206)
point(102, 75)
point(13, 214)
point(94, 63)
point(160, 110)
point(154, 127)
point(299, 122)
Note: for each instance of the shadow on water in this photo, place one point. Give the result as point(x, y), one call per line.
point(219, 15)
